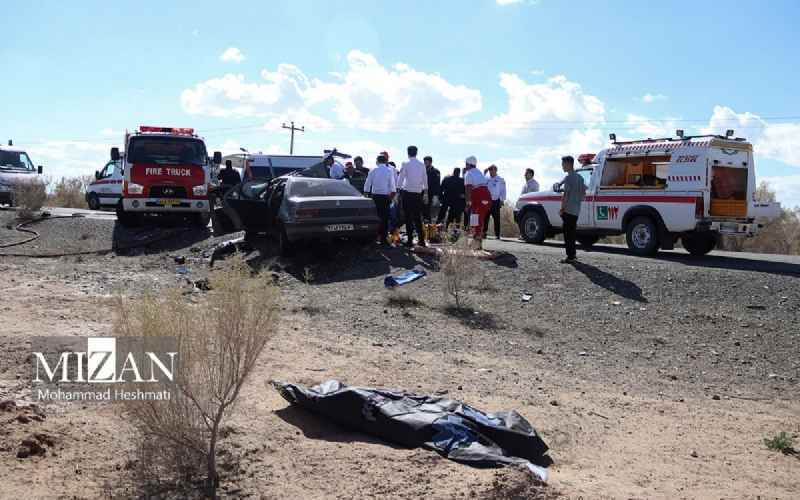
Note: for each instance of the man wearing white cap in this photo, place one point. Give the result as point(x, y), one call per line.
point(479, 200)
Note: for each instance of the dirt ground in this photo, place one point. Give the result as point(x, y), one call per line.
point(648, 378)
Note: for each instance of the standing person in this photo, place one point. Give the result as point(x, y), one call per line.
point(380, 185)
point(478, 197)
point(574, 191)
point(413, 182)
point(452, 199)
point(228, 177)
point(497, 190)
point(434, 187)
point(359, 164)
point(531, 186)
point(337, 170)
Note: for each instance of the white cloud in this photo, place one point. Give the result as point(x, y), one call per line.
point(651, 98)
point(642, 127)
point(232, 54)
point(778, 141)
point(69, 158)
point(367, 96)
point(543, 113)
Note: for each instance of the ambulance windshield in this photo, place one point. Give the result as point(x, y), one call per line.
point(167, 151)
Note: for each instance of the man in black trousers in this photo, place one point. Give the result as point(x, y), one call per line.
point(434, 188)
point(413, 182)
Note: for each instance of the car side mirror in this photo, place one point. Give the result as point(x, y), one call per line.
point(217, 157)
point(114, 154)
point(39, 169)
point(97, 175)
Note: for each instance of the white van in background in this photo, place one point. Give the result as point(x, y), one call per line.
point(16, 169)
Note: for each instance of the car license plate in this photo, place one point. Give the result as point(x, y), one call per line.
point(168, 202)
point(338, 227)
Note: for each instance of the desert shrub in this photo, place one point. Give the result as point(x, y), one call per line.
point(69, 192)
point(29, 197)
point(781, 442)
point(219, 340)
point(459, 271)
point(508, 226)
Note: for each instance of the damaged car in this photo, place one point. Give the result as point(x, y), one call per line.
point(297, 207)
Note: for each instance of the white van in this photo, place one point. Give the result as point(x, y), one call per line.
point(16, 169)
point(656, 191)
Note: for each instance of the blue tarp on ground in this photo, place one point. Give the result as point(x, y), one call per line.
point(403, 278)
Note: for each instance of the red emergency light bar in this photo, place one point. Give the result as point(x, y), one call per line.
point(167, 130)
point(586, 158)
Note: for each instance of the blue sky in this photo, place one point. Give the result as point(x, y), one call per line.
point(514, 83)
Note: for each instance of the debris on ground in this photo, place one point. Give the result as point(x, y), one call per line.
point(404, 278)
point(450, 427)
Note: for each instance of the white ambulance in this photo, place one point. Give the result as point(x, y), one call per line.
point(106, 189)
point(656, 191)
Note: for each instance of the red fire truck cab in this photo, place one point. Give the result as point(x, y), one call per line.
point(165, 171)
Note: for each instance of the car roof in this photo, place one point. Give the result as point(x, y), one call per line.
point(12, 149)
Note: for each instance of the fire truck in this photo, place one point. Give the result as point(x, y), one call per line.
point(165, 170)
point(657, 191)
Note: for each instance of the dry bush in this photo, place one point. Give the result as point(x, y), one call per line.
point(508, 226)
point(459, 272)
point(29, 197)
point(219, 340)
point(70, 192)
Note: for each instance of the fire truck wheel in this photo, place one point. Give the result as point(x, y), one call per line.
point(127, 219)
point(698, 244)
point(93, 201)
point(642, 236)
point(587, 241)
point(533, 227)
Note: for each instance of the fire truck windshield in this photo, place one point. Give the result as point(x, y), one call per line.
point(167, 150)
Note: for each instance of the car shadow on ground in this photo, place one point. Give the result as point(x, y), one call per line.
point(622, 287)
point(315, 427)
point(711, 261)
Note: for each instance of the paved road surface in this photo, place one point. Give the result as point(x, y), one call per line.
point(89, 214)
point(782, 264)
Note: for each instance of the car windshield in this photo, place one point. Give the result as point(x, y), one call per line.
point(167, 150)
point(308, 187)
point(17, 160)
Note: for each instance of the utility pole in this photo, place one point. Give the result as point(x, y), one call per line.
point(293, 128)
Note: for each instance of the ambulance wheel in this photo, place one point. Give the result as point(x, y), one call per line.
point(93, 201)
point(642, 236)
point(587, 241)
point(698, 244)
point(533, 227)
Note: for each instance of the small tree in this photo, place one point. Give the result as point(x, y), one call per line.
point(219, 341)
point(459, 270)
point(29, 197)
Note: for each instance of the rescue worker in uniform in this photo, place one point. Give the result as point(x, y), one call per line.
point(478, 198)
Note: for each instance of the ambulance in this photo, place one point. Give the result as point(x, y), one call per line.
point(106, 189)
point(164, 170)
point(656, 192)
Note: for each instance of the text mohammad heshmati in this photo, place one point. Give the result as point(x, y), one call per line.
point(107, 395)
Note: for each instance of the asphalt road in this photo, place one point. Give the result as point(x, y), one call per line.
point(89, 214)
point(778, 264)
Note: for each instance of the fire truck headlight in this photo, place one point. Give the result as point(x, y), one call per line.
point(200, 190)
point(134, 188)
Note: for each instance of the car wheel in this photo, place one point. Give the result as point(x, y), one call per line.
point(93, 201)
point(642, 236)
point(533, 227)
point(587, 241)
point(698, 244)
point(284, 245)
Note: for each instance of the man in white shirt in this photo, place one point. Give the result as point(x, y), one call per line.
point(412, 182)
point(497, 190)
point(531, 185)
point(380, 185)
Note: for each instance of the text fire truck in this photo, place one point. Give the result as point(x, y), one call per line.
point(164, 171)
point(658, 190)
